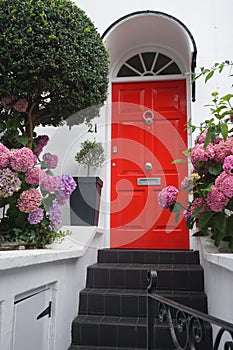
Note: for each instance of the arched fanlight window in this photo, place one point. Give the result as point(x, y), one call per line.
point(148, 64)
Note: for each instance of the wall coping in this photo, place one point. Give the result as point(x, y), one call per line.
point(72, 246)
point(216, 255)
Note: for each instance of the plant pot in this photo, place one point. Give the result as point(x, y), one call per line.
point(85, 201)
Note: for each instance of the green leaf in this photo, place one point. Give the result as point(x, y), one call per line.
point(177, 161)
point(13, 124)
point(208, 138)
point(199, 233)
point(216, 170)
point(187, 152)
point(209, 75)
point(205, 218)
point(23, 140)
point(220, 221)
point(226, 97)
point(230, 244)
point(224, 130)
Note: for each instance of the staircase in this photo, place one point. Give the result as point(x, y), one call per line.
point(112, 309)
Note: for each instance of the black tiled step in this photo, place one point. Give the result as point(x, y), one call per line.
point(109, 331)
point(87, 347)
point(124, 332)
point(148, 256)
point(132, 303)
point(134, 276)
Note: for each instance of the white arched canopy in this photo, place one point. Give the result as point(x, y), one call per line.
point(149, 29)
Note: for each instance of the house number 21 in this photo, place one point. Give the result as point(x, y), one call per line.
point(92, 127)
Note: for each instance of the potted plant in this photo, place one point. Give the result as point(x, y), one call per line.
point(42, 83)
point(85, 200)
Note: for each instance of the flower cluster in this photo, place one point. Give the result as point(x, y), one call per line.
point(14, 102)
point(30, 195)
point(9, 182)
point(210, 186)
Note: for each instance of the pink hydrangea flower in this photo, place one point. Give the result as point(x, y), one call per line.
point(223, 149)
point(49, 183)
point(29, 200)
point(201, 138)
point(197, 203)
point(33, 176)
point(36, 216)
point(201, 154)
point(167, 196)
point(50, 160)
point(21, 105)
point(216, 200)
point(228, 165)
point(22, 159)
point(224, 183)
point(4, 156)
point(8, 101)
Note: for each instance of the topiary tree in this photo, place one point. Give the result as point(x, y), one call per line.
point(91, 154)
point(52, 64)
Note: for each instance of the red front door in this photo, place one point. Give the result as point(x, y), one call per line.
point(148, 122)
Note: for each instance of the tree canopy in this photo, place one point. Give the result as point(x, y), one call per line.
point(53, 63)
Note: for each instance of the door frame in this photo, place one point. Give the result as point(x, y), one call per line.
point(108, 123)
point(185, 134)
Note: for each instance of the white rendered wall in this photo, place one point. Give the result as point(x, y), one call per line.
point(62, 269)
point(218, 281)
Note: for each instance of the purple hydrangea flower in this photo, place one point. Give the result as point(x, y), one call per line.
point(36, 216)
point(67, 184)
point(167, 196)
point(54, 215)
point(187, 183)
point(42, 142)
point(9, 182)
point(187, 214)
point(61, 197)
point(50, 160)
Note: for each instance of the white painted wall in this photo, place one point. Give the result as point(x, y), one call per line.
point(61, 269)
point(218, 269)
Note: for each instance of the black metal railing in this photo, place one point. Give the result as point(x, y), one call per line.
point(187, 328)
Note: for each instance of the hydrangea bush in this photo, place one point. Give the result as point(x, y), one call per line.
point(210, 184)
point(31, 196)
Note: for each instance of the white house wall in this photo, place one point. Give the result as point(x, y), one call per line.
point(210, 24)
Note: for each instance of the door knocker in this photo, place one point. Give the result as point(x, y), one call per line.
point(148, 116)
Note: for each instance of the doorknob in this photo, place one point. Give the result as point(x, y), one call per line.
point(148, 166)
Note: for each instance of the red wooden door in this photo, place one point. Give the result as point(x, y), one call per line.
point(148, 121)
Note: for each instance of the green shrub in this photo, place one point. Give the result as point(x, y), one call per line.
point(51, 56)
